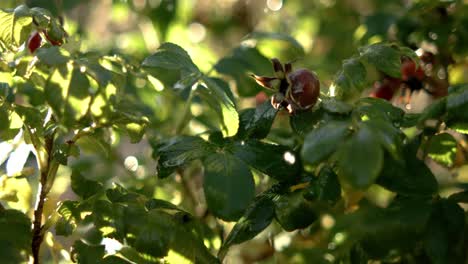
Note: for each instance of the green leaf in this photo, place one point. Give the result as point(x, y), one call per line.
point(160, 204)
point(323, 141)
point(228, 185)
point(293, 211)
point(256, 218)
point(61, 152)
point(278, 162)
point(162, 15)
point(295, 45)
point(376, 108)
point(443, 149)
point(335, 106)
point(170, 227)
point(64, 227)
point(179, 151)
point(87, 254)
point(229, 115)
point(171, 57)
point(256, 123)
point(213, 101)
point(380, 230)
point(67, 93)
point(15, 237)
point(69, 210)
point(355, 73)
point(326, 188)
point(434, 111)
point(360, 159)
point(457, 104)
point(92, 68)
point(52, 56)
point(113, 259)
point(15, 26)
point(83, 187)
point(151, 241)
point(389, 137)
point(459, 197)
point(119, 194)
point(243, 62)
point(135, 256)
point(304, 121)
point(409, 175)
point(444, 232)
point(384, 57)
point(343, 89)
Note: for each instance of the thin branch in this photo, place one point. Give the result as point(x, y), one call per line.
point(37, 232)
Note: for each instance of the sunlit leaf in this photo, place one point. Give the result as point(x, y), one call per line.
point(15, 26)
point(443, 148)
point(230, 117)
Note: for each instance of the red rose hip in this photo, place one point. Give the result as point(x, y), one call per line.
point(304, 89)
point(34, 42)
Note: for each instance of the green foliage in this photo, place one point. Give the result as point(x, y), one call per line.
point(147, 151)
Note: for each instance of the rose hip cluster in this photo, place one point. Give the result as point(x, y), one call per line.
point(54, 35)
point(295, 90)
point(413, 78)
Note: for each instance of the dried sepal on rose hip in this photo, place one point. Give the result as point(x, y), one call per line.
point(295, 90)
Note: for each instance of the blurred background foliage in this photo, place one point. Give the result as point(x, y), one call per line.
point(226, 38)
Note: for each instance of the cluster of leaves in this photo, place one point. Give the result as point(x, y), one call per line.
point(63, 101)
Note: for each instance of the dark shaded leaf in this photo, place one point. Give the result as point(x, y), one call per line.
point(256, 218)
point(380, 230)
point(228, 185)
point(408, 176)
point(256, 123)
point(326, 188)
point(172, 57)
point(293, 211)
point(360, 159)
point(459, 197)
point(87, 254)
point(83, 187)
point(64, 227)
point(179, 151)
point(52, 56)
point(335, 106)
point(279, 162)
point(243, 62)
point(384, 57)
point(297, 47)
point(323, 141)
point(443, 233)
point(15, 237)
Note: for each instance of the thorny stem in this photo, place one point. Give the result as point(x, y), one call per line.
point(37, 232)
